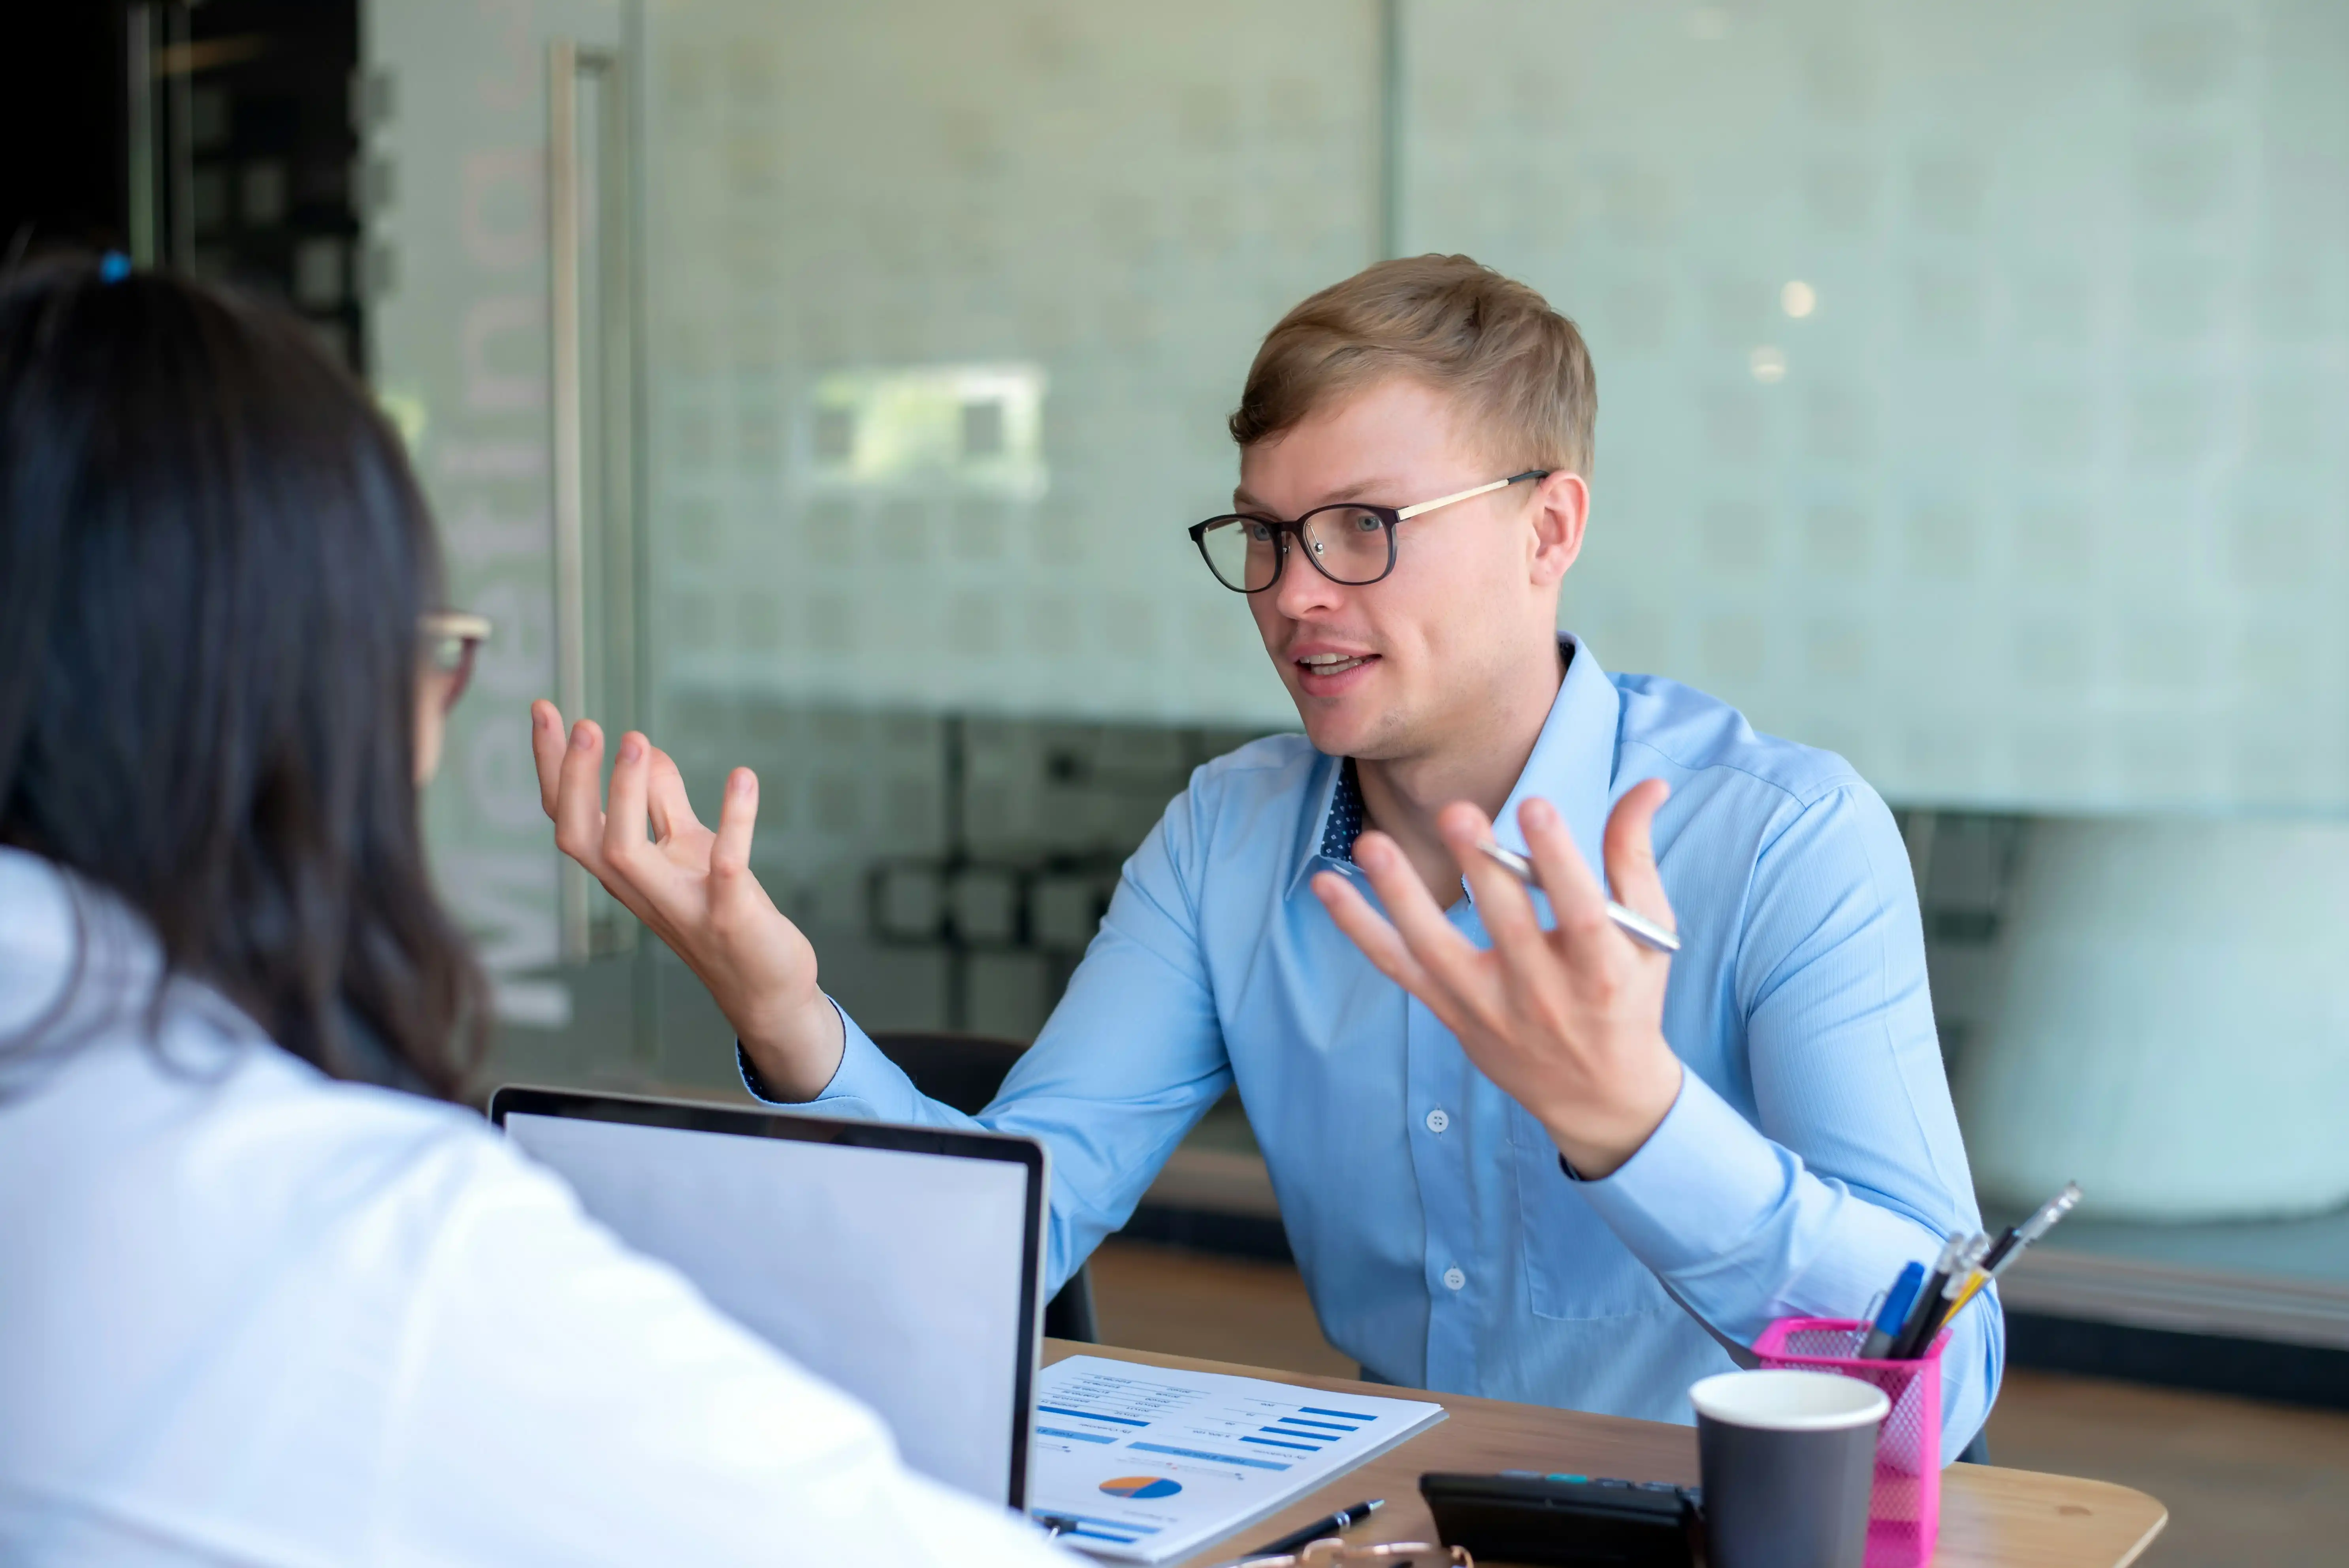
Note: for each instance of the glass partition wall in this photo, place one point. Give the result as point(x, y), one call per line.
point(945, 310)
point(827, 389)
point(1965, 375)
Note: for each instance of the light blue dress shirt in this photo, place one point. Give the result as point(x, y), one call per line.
point(1812, 1152)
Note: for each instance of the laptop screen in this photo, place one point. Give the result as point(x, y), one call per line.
point(905, 1275)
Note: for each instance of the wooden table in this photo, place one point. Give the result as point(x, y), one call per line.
point(2013, 1519)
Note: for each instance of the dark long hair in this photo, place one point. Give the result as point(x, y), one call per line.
point(212, 560)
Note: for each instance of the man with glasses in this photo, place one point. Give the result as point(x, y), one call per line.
point(1518, 1153)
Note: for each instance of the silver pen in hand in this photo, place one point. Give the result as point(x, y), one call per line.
point(1632, 924)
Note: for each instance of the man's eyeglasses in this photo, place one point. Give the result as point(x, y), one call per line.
point(451, 640)
point(1352, 543)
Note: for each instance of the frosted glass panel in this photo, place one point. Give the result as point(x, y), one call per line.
point(948, 306)
point(456, 271)
point(1971, 377)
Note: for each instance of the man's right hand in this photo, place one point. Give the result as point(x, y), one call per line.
point(695, 889)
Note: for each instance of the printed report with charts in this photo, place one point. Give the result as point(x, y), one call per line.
point(1149, 1463)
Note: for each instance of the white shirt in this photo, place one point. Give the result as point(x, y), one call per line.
point(250, 1314)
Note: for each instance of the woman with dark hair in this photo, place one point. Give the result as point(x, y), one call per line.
point(263, 1297)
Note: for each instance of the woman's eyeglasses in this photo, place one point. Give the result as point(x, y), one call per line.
point(1351, 543)
point(1333, 1552)
point(451, 640)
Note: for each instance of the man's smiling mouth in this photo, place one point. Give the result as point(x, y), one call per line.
point(1332, 664)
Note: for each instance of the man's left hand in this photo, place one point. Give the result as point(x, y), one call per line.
point(1569, 1021)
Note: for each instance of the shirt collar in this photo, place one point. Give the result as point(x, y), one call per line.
point(1572, 766)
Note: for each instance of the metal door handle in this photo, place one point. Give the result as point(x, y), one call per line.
point(566, 193)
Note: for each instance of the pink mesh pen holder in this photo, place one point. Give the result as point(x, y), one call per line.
point(1904, 1508)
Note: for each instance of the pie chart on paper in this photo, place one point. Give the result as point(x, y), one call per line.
point(1141, 1486)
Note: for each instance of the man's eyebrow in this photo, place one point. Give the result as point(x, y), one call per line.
point(1243, 501)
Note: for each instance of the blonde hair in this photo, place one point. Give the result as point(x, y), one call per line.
point(1519, 369)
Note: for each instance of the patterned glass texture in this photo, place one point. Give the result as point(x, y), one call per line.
point(948, 306)
point(1964, 370)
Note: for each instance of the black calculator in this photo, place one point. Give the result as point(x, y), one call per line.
point(1567, 1521)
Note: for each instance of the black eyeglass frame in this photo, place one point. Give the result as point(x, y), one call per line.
point(1387, 516)
point(453, 639)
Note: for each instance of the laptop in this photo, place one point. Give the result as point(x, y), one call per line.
point(904, 1264)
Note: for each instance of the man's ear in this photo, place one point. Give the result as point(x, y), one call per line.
point(1561, 508)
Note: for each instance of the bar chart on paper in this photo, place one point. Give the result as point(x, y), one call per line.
point(1151, 1463)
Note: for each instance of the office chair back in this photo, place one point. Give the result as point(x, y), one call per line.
point(965, 1071)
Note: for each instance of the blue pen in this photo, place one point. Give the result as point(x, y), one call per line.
point(1896, 1312)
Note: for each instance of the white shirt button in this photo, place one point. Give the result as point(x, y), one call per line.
point(1453, 1279)
point(1437, 1120)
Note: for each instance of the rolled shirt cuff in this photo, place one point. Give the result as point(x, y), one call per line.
point(1698, 1190)
point(866, 1084)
